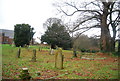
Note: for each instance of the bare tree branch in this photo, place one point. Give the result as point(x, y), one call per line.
point(83, 22)
point(81, 33)
point(80, 11)
point(72, 6)
point(95, 26)
point(86, 29)
point(77, 10)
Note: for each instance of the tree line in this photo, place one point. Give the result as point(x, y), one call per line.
point(105, 15)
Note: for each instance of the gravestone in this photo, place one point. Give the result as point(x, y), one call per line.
point(40, 49)
point(38, 73)
point(74, 53)
point(24, 75)
point(18, 52)
point(34, 56)
point(59, 59)
point(51, 51)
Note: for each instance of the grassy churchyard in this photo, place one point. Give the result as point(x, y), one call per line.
point(89, 66)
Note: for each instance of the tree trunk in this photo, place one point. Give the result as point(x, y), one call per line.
point(105, 33)
point(113, 40)
point(105, 39)
point(112, 45)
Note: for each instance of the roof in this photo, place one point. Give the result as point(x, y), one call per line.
point(9, 33)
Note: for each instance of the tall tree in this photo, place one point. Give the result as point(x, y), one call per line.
point(23, 33)
point(57, 35)
point(97, 11)
point(50, 21)
point(114, 22)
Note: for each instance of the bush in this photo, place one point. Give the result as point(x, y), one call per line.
point(89, 50)
point(116, 54)
point(83, 50)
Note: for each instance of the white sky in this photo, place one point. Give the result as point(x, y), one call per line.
point(32, 12)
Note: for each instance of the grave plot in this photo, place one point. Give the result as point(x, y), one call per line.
point(92, 56)
point(73, 68)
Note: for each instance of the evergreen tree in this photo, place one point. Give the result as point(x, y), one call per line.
point(57, 35)
point(23, 33)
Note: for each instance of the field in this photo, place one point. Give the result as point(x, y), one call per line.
point(103, 66)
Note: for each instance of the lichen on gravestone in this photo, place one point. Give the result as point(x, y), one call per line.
point(59, 59)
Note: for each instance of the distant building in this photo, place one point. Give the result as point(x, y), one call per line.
point(6, 36)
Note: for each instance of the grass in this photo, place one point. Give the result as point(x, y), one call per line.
point(74, 68)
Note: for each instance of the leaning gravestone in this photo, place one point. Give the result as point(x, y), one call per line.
point(18, 53)
point(59, 59)
point(34, 56)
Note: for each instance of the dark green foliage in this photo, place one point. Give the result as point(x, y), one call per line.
point(57, 35)
point(116, 54)
point(83, 50)
point(89, 51)
point(23, 33)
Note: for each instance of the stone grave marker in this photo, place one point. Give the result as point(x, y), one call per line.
point(59, 59)
point(34, 56)
point(24, 75)
point(18, 52)
point(40, 49)
point(74, 53)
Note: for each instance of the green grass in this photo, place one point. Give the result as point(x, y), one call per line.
point(75, 68)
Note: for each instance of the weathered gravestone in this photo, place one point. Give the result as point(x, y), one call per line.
point(51, 51)
point(34, 56)
point(18, 52)
point(40, 49)
point(24, 75)
point(59, 59)
point(74, 53)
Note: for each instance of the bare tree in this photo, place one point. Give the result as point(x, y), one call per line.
point(50, 21)
point(94, 14)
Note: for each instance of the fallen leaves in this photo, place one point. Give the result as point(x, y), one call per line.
point(75, 68)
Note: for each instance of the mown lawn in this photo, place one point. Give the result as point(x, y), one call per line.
point(74, 68)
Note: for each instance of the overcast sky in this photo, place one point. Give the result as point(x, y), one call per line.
point(32, 12)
